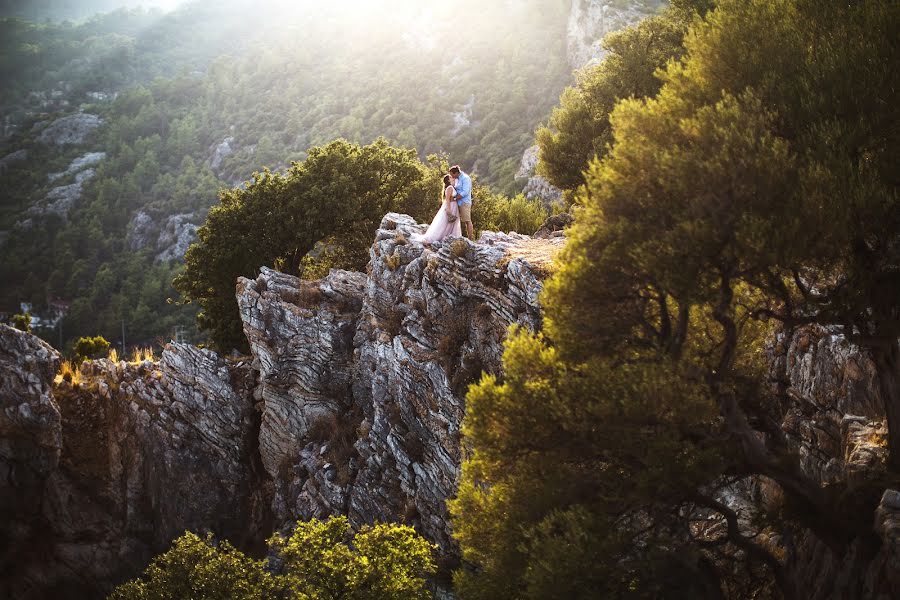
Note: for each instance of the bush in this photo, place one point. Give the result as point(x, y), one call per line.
point(21, 322)
point(90, 347)
point(320, 559)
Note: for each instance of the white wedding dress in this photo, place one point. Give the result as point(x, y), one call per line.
point(441, 227)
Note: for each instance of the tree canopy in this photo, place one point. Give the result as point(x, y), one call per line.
point(756, 189)
point(336, 196)
point(320, 560)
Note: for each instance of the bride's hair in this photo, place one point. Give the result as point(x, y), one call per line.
point(446, 181)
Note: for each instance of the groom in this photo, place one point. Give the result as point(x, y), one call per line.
point(464, 198)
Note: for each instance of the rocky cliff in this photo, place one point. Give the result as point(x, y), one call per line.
point(834, 421)
point(350, 403)
point(591, 20)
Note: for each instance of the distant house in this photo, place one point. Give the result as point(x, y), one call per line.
point(57, 309)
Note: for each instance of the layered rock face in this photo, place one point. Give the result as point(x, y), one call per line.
point(119, 462)
point(362, 377)
point(351, 403)
point(835, 423)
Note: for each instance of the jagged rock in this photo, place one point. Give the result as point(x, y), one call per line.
point(176, 235)
point(591, 20)
point(140, 230)
point(835, 423)
point(381, 362)
point(352, 404)
point(12, 158)
point(536, 187)
point(30, 438)
point(301, 339)
point(58, 201)
point(148, 450)
point(72, 129)
point(219, 153)
point(79, 164)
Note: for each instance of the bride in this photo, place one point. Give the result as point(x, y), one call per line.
point(446, 221)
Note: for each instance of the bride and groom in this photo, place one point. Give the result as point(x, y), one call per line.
point(456, 208)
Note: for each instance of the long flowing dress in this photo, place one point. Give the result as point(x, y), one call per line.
point(441, 227)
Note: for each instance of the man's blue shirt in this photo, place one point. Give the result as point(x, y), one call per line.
point(464, 189)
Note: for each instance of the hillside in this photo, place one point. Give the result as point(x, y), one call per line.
point(119, 131)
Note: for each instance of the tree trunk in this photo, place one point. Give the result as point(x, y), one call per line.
point(887, 363)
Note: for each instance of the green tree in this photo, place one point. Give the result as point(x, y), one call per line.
point(202, 569)
point(755, 188)
point(91, 347)
point(320, 560)
point(324, 560)
point(579, 127)
point(339, 193)
point(21, 322)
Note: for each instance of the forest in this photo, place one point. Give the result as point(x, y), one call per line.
point(192, 102)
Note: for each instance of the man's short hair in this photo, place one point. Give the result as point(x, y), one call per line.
point(455, 169)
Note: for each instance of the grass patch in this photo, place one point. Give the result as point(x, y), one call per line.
point(139, 355)
point(69, 372)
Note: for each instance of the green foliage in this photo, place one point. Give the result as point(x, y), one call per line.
point(90, 347)
point(757, 185)
point(495, 212)
point(320, 560)
point(337, 197)
point(579, 127)
point(201, 569)
point(565, 454)
point(21, 322)
point(188, 79)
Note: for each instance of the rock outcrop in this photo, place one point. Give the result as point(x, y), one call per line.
point(591, 20)
point(351, 403)
point(172, 236)
point(176, 234)
point(362, 377)
point(123, 459)
point(536, 186)
point(70, 130)
point(835, 424)
point(79, 164)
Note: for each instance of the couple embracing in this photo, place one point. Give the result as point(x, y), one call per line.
point(456, 208)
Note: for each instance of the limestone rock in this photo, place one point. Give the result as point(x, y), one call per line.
point(73, 129)
point(30, 431)
point(590, 21)
point(175, 236)
point(59, 200)
point(362, 376)
point(79, 164)
point(537, 186)
point(140, 230)
point(220, 152)
point(148, 450)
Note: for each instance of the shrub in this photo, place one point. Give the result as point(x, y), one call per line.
point(90, 347)
point(320, 559)
point(21, 322)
